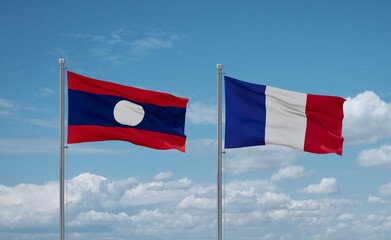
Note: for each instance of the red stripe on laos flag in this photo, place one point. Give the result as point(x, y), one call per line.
point(155, 140)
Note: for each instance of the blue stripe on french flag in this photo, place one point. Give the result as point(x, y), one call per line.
point(259, 115)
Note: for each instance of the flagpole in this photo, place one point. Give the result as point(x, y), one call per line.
point(62, 222)
point(219, 153)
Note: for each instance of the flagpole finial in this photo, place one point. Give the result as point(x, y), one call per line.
point(219, 66)
point(61, 61)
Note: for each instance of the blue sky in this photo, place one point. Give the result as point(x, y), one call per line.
point(117, 190)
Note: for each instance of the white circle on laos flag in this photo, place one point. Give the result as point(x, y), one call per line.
point(128, 113)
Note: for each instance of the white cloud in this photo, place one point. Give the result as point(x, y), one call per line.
point(44, 92)
point(245, 196)
point(202, 113)
point(6, 113)
point(150, 43)
point(194, 202)
point(367, 119)
point(316, 212)
point(164, 176)
point(28, 146)
point(8, 108)
point(4, 103)
point(250, 159)
point(374, 199)
point(250, 187)
point(28, 205)
point(271, 200)
point(385, 190)
point(86, 149)
point(48, 91)
point(12, 109)
point(375, 157)
point(156, 192)
point(125, 44)
point(44, 123)
point(179, 209)
point(326, 186)
point(82, 185)
point(346, 217)
point(129, 203)
point(23, 146)
point(201, 146)
point(99, 218)
point(278, 214)
point(290, 173)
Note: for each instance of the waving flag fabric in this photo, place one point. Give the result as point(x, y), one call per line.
point(259, 115)
point(100, 111)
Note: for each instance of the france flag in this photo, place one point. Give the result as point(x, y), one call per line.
point(259, 115)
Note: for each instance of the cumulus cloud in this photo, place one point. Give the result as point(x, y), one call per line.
point(250, 187)
point(385, 190)
point(367, 119)
point(28, 146)
point(170, 208)
point(98, 218)
point(5, 103)
point(326, 186)
point(290, 173)
point(243, 197)
point(202, 113)
point(24, 146)
point(252, 159)
point(374, 199)
point(76, 149)
point(375, 157)
point(156, 192)
point(271, 200)
point(44, 92)
point(346, 217)
point(164, 176)
point(131, 207)
point(53, 123)
point(198, 202)
point(28, 205)
point(318, 208)
point(201, 146)
point(16, 111)
point(127, 44)
point(8, 108)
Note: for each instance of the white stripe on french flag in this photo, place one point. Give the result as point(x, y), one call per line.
point(284, 109)
point(259, 115)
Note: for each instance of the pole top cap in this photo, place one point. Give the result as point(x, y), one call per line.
point(61, 61)
point(219, 66)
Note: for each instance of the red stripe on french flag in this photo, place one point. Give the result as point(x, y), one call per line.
point(312, 123)
point(324, 124)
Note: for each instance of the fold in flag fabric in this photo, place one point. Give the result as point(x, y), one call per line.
point(259, 115)
point(100, 111)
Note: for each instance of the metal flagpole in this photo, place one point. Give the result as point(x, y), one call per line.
point(219, 153)
point(62, 223)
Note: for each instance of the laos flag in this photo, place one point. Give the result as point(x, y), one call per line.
point(259, 115)
point(100, 111)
